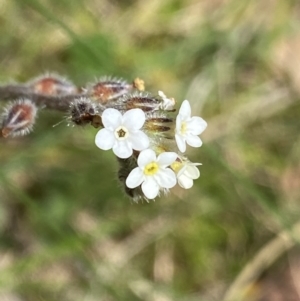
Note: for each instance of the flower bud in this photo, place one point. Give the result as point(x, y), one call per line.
point(52, 84)
point(141, 100)
point(146, 102)
point(83, 111)
point(158, 123)
point(108, 89)
point(18, 118)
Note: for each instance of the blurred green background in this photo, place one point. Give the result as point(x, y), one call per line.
point(66, 230)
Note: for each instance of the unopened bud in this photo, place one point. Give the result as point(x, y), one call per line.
point(83, 111)
point(141, 100)
point(52, 84)
point(158, 123)
point(18, 118)
point(108, 89)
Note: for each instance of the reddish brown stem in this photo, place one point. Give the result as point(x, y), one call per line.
point(58, 103)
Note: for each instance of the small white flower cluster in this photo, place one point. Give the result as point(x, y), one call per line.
point(156, 167)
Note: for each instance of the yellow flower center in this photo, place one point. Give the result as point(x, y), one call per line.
point(183, 128)
point(121, 133)
point(151, 169)
point(176, 166)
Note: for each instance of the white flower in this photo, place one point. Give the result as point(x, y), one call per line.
point(187, 128)
point(122, 133)
point(167, 103)
point(186, 173)
point(152, 172)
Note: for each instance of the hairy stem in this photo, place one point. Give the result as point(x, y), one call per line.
point(58, 103)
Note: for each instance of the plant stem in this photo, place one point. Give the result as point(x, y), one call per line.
point(58, 103)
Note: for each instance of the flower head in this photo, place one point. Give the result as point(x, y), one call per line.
point(153, 173)
point(188, 128)
point(122, 132)
point(186, 173)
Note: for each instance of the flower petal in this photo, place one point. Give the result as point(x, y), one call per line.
point(196, 125)
point(182, 170)
point(162, 94)
point(139, 140)
point(165, 178)
point(135, 178)
point(178, 123)
point(167, 158)
point(111, 118)
point(145, 157)
point(105, 139)
point(185, 182)
point(180, 143)
point(192, 172)
point(122, 149)
point(185, 110)
point(134, 119)
point(193, 141)
point(150, 188)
